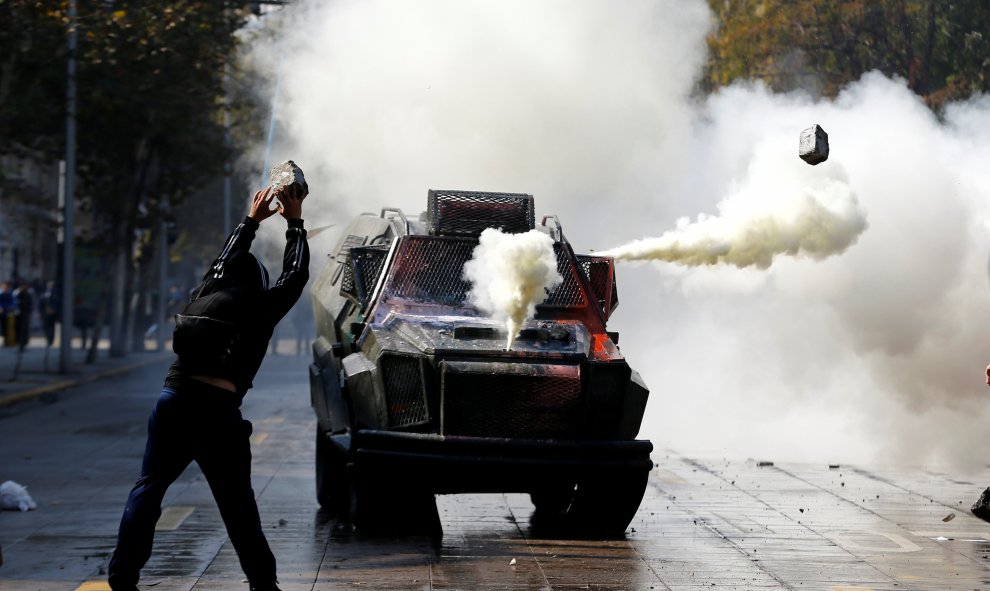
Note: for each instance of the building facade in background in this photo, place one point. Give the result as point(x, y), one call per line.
point(28, 218)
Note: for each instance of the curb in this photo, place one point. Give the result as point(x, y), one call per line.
point(16, 397)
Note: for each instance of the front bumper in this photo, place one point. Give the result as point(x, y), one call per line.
point(458, 464)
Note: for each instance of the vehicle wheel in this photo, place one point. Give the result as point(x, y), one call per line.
point(603, 507)
point(378, 508)
point(367, 508)
point(331, 476)
point(550, 505)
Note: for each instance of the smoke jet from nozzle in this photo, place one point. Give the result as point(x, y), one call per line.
point(510, 274)
point(824, 221)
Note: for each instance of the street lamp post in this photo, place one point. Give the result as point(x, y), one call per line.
point(227, 144)
point(162, 278)
point(68, 201)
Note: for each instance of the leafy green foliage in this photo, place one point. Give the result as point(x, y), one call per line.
point(32, 75)
point(150, 87)
point(150, 90)
point(940, 48)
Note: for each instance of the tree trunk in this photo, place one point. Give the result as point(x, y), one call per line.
point(117, 299)
point(135, 340)
point(101, 313)
point(137, 319)
point(924, 76)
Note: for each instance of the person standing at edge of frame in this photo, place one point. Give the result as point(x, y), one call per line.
point(981, 508)
point(220, 339)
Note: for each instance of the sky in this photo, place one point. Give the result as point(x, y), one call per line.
point(872, 353)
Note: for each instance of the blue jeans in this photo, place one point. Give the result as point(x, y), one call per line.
point(194, 421)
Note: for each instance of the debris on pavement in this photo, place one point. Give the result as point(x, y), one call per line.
point(15, 497)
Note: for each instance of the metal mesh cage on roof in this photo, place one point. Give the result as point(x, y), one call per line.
point(468, 213)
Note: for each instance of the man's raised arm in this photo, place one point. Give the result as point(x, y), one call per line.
point(295, 259)
point(242, 236)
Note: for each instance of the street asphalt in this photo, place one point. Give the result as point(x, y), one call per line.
point(76, 442)
point(34, 373)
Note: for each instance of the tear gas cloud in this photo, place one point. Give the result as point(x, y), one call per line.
point(510, 274)
point(821, 219)
point(874, 354)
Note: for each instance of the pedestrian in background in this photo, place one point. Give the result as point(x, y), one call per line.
point(48, 309)
point(981, 508)
point(21, 316)
point(221, 338)
point(24, 305)
point(7, 312)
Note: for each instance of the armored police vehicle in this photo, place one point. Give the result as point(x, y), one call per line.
point(416, 394)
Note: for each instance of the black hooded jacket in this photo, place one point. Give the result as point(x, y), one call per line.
point(236, 291)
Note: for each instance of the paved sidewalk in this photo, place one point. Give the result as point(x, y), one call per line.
point(36, 378)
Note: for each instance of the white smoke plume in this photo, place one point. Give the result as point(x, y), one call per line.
point(874, 355)
point(510, 274)
point(822, 220)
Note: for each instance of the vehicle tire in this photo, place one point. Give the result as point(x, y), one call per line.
point(603, 507)
point(367, 507)
point(550, 505)
point(331, 476)
point(378, 508)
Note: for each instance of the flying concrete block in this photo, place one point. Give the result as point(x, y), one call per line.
point(813, 148)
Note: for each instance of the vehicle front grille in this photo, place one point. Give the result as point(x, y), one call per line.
point(367, 263)
point(534, 401)
point(431, 269)
point(405, 394)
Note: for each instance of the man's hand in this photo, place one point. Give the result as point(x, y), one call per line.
point(290, 201)
point(261, 205)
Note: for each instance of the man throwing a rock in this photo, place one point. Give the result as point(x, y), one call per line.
point(220, 340)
